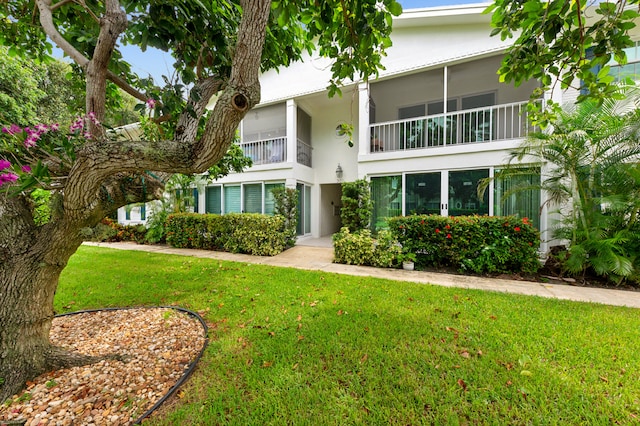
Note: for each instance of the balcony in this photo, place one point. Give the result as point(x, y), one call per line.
point(266, 151)
point(486, 124)
point(274, 150)
point(304, 152)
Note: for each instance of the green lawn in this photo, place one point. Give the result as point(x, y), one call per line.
point(299, 347)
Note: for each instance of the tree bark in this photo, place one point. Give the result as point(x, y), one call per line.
point(105, 176)
point(31, 262)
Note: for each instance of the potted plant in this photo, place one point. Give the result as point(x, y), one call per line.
point(407, 260)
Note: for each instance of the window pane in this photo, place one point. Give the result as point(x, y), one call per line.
point(300, 225)
point(213, 200)
point(232, 199)
point(423, 193)
point(518, 195)
point(463, 193)
point(196, 202)
point(307, 209)
point(253, 198)
point(269, 200)
point(386, 193)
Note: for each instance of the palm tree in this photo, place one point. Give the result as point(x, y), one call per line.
point(593, 179)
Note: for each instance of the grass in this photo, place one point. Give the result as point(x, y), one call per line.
point(310, 348)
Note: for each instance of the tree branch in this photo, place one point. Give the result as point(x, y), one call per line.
point(46, 20)
point(99, 160)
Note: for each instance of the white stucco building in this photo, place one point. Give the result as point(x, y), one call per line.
point(421, 153)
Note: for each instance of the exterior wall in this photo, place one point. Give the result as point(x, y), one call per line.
point(436, 53)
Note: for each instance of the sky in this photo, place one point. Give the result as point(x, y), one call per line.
point(157, 63)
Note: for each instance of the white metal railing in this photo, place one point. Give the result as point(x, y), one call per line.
point(486, 124)
point(304, 153)
point(266, 151)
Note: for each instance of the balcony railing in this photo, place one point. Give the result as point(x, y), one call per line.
point(267, 151)
point(304, 151)
point(486, 124)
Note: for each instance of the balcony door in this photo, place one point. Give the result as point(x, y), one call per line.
point(448, 193)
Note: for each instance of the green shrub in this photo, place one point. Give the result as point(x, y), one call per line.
point(356, 205)
point(479, 244)
point(156, 232)
point(109, 230)
point(361, 248)
point(250, 233)
point(286, 205)
point(42, 211)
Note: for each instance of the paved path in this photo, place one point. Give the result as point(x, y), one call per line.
point(321, 258)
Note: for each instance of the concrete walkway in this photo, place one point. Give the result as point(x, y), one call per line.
point(317, 254)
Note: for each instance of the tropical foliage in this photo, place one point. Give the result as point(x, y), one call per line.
point(357, 205)
point(593, 183)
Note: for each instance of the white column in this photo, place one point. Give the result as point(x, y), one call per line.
point(363, 119)
point(292, 130)
point(445, 89)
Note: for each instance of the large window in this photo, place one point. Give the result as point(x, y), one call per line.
point(518, 195)
point(423, 193)
point(247, 198)
point(213, 199)
point(252, 198)
point(463, 193)
point(269, 200)
point(455, 193)
point(386, 193)
point(629, 70)
point(232, 203)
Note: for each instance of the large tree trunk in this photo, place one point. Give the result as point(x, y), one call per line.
point(105, 176)
point(31, 259)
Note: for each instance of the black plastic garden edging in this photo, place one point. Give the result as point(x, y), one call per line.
point(191, 366)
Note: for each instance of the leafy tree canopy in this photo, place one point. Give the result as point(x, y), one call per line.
point(569, 42)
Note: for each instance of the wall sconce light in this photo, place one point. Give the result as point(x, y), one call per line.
point(339, 173)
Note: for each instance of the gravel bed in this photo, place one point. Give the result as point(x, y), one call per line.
point(158, 343)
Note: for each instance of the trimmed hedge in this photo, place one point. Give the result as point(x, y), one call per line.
point(479, 244)
point(250, 233)
point(360, 248)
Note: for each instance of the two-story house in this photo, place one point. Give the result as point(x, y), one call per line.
point(435, 122)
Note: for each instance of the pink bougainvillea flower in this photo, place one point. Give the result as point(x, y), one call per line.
point(41, 128)
point(76, 125)
point(55, 127)
point(93, 118)
point(26, 169)
point(30, 141)
point(4, 164)
point(12, 130)
point(151, 103)
point(8, 177)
